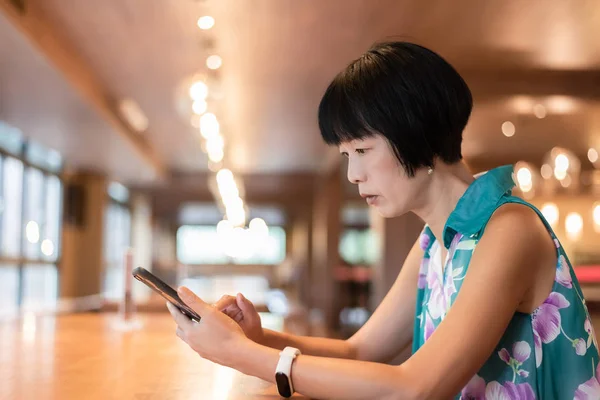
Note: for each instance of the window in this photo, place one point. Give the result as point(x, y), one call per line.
point(12, 194)
point(30, 223)
point(359, 246)
point(9, 285)
point(201, 244)
point(11, 139)
point(117, 238)
point(40, 287)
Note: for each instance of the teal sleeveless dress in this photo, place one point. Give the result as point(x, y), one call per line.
point(549, 354)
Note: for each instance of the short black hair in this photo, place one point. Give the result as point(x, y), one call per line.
point(405, 92)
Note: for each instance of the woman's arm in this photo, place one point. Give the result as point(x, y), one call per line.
point(383, 337)
point(501, 271)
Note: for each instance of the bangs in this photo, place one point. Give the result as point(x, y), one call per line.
point(404, 92)
point(341, 117)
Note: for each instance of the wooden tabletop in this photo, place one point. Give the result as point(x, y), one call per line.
point(97, 356)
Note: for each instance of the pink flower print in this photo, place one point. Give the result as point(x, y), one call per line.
point(422, 283)
point(546, 322)
point(424, 241)
point(580, 346)
point(557, 243)
point(476, 389)
point(589, 390)
point(520, 353)
point(455, 241)
point(587, 325)
point(450, 287)
point(563, 275)
point(509, 390)
point(437, 301)
point(504, 355)
point(429, 327)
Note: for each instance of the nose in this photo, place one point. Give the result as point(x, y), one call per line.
point(355, 173)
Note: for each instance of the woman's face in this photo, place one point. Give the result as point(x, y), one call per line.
point(381, 179)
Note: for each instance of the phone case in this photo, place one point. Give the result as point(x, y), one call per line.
point(166, 291)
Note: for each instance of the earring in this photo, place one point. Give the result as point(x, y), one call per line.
point(429, 171)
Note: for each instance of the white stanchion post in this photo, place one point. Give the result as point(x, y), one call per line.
point(125, 320)
point(127, 308)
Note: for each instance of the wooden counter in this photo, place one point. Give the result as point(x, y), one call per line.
point(94, 356)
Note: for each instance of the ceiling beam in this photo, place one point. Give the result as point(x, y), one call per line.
point(59, 51)
point(492, 84)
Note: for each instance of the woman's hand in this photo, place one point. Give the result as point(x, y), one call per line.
point(216, 337)
point(242, 311)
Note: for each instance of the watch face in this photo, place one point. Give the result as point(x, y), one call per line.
point(283, 384)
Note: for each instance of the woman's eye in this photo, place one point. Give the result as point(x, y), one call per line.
point(361, 151)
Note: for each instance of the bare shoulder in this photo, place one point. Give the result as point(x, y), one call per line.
point(517, 235)
point(519, 225)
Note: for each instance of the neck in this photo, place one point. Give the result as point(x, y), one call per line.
point(446, 186)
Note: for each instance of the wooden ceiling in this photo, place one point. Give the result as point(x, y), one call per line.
point(278, 57)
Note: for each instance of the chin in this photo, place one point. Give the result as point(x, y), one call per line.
point(388, 213)
point(391, 211)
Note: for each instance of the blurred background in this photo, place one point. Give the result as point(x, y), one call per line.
point(184, 133)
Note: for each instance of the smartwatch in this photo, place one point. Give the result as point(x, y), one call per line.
point(283, 373)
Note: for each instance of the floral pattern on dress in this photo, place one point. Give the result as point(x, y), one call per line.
point(559, 329)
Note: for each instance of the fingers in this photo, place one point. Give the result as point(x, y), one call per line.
point(180, 334)
point(180, 319)
point(194, 302)
point(224, 302)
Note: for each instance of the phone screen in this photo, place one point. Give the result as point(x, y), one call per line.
point(166, 291)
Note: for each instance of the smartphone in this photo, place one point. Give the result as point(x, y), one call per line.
point(166, 291)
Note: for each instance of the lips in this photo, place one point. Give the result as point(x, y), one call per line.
point(370, 198)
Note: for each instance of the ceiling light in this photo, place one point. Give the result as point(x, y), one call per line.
point(592, 155)
point(561, 162)
point(214, 62)
point(560, 174)
point(573, 225)
point(539, 110)
point(508, 129)
point(198, 91)
point(524, 176)
point(561, 104)
point(32, 232)
point(215, 143)
point(596, 214)
point(206, 22)
point(47, 247)
point(216, 156)
point(550, 212)
point(566, 181)
point(224, 176)
point(209, 126)
point(259, 227)
point(546, 171)
point(199, 107)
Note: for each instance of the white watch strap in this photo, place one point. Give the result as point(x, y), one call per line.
point(284, 366)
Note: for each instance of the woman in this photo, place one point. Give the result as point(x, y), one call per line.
point(486, 295)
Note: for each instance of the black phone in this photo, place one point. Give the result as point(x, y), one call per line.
point(166, 291)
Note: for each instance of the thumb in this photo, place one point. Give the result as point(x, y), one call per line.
point(193, 301)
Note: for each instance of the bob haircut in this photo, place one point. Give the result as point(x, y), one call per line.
point(406, 93)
